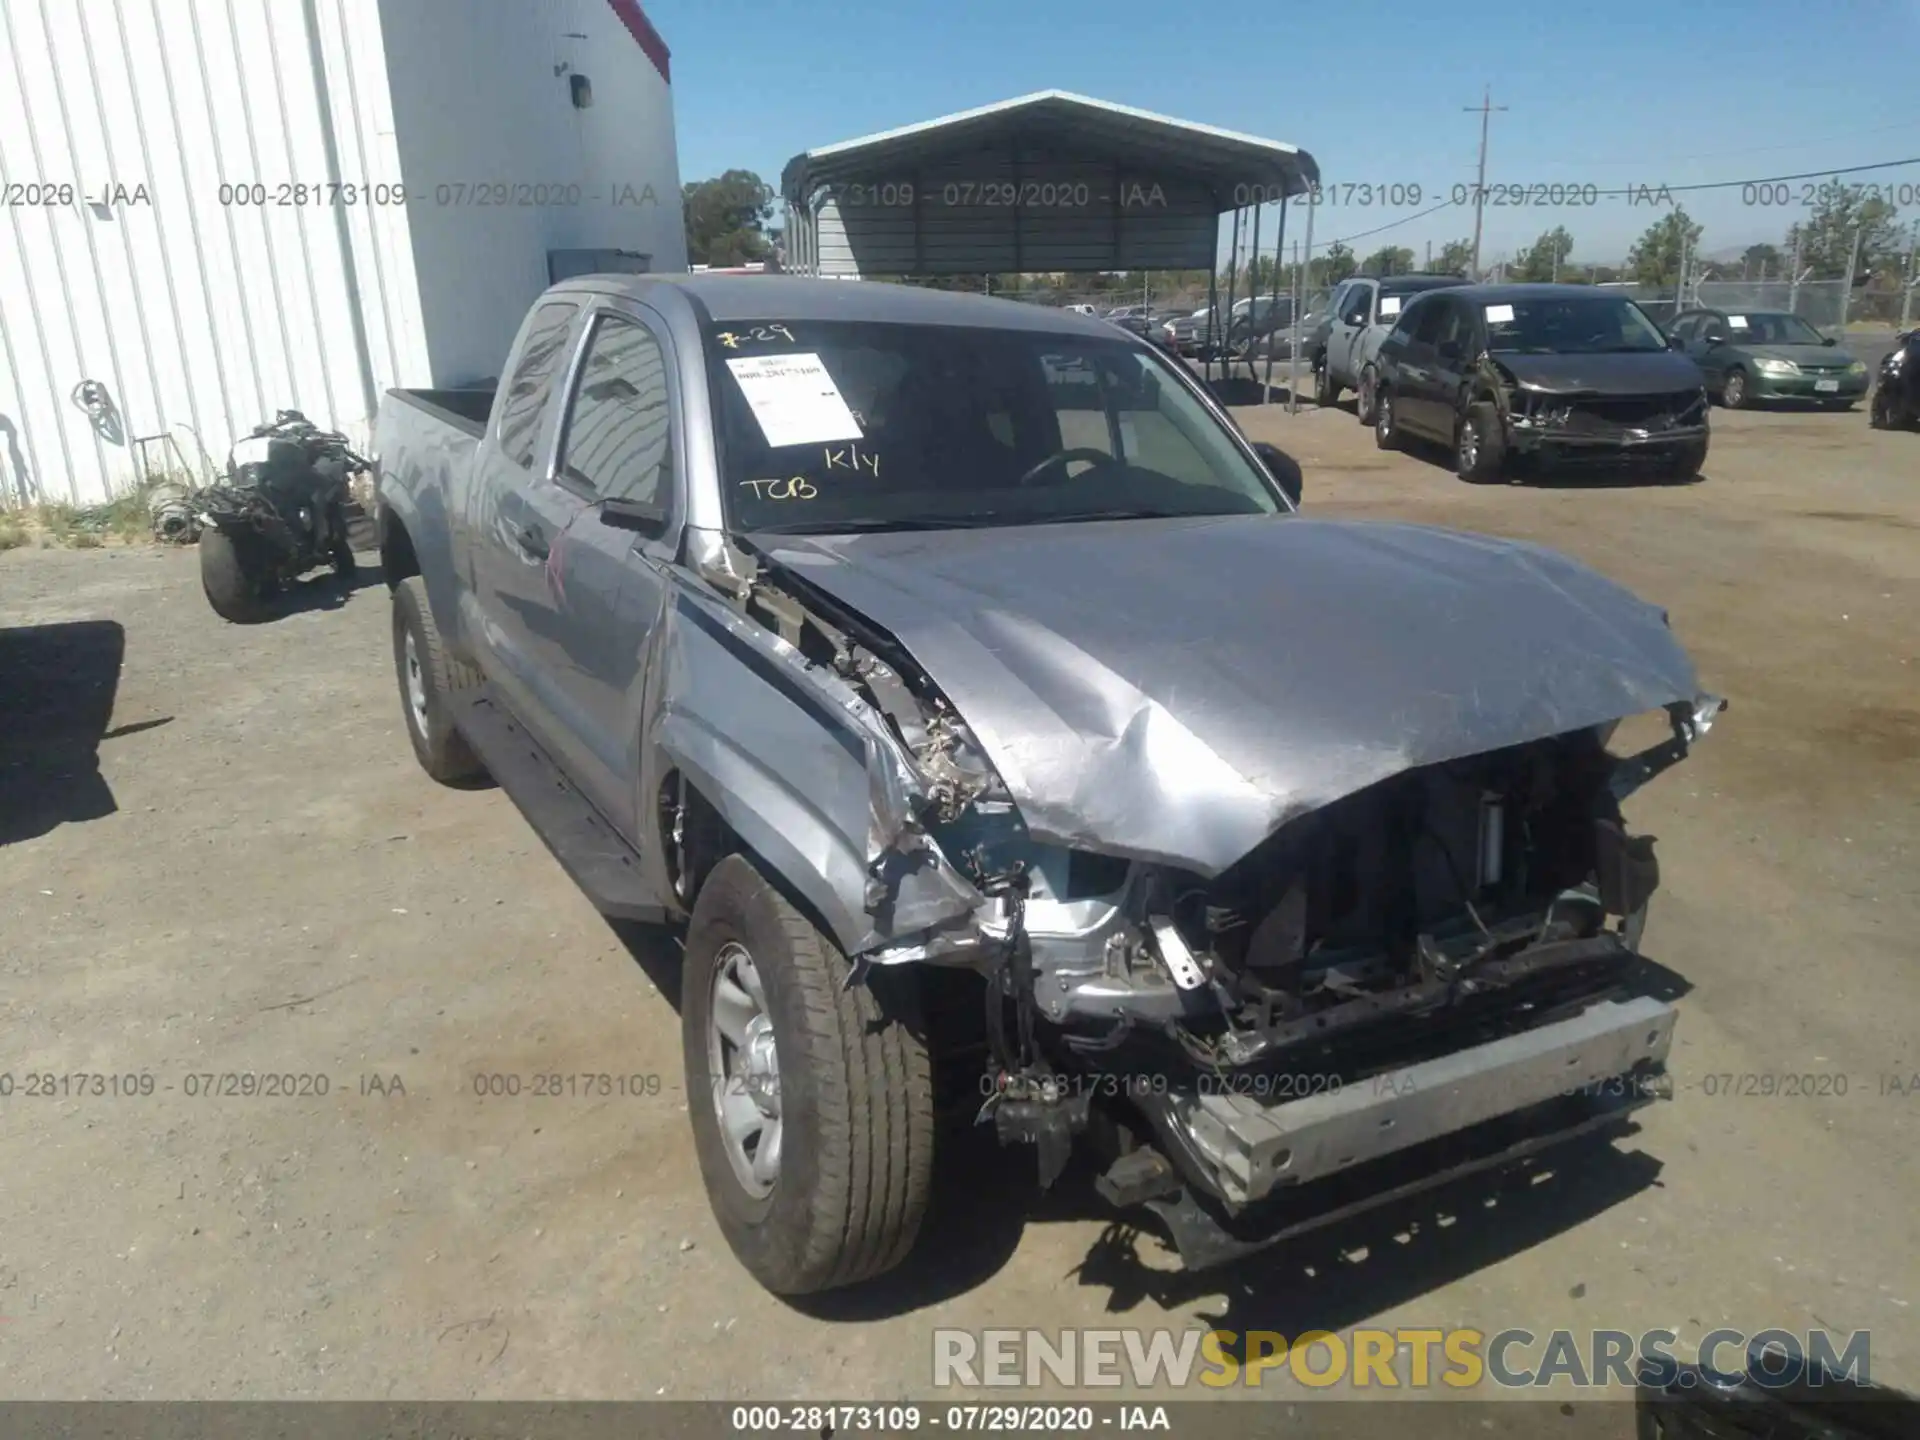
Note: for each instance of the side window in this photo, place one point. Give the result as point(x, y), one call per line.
point(1715, 327)
point(618, 441)
point(1359, 303)
point(1455, 327)
point(1427, 319)
point(531, 383)
point(1682, 328)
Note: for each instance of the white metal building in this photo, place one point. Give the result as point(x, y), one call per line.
point(215, 209)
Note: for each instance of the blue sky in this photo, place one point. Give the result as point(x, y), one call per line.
point(1621, 94)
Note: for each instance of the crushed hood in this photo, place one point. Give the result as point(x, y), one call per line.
point(1175, 690)
point(1647, 372)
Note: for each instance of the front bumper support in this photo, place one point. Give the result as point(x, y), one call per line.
point(1250, 1146)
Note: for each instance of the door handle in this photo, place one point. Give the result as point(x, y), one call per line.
point(533, 541)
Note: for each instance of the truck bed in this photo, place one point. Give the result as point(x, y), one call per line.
point(465, 409)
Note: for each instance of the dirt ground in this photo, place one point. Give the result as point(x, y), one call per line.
point(258, 879)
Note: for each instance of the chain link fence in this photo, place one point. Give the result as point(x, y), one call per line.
point(1824, 304)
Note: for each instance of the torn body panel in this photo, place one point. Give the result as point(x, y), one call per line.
point(797, 765)
point(1544, 407)
point(1279, 663)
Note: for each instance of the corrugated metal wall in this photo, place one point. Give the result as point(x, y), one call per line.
point(131, 260)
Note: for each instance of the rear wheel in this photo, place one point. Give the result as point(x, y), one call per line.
point(234, 589)
point(1480, 451)
point(428, 676)
point(1733, 390)
point(811, 1101)
point(344, 564)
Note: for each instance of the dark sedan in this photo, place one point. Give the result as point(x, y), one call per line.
point(1756, 355)
point(1511, 374)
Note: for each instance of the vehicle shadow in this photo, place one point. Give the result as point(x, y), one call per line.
point(57, 688)
point(323, 591)
point(656, 949)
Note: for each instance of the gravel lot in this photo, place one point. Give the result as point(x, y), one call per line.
point(258, 879)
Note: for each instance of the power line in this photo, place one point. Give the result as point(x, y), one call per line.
point(1638, 190)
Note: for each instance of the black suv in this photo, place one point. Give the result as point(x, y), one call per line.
point(1512, 374)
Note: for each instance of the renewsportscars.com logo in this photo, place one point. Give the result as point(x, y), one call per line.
point(1380, 1359)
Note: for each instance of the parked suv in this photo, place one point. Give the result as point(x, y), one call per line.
point(1360, 314)
point(1507, 374)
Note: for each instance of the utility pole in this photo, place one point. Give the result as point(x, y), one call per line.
point(1793, 276)
point(1913, 276)
point(1486, 107)
point(1429, 269)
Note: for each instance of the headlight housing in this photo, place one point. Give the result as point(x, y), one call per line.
point(1858, 367)
point(1776, 367)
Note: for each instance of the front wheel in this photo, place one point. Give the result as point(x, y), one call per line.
point(811, 1102)
point(1733, 390)
point(234, 589)
point(1683, 466)
point(1386, 422)
point(1364, 396)
point(1480, 451)
point(1326, 390)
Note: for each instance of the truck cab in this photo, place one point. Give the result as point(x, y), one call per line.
point(1361, 311)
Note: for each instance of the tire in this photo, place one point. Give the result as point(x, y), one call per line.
point(1735, 391)
point(1886, 411)
point(1480, 450)
point(1326, 390)
point(420, 655)
point(1684, 465)
point(232, 591)
point(1386, 427)
point(853, 1084)
point(1364, 396)
point(344, 565)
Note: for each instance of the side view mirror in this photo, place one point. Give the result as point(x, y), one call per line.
point(1829, 342)
point(1284, 469)
point(1676, 342)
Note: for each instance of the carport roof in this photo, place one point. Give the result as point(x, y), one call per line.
point(1230, 165)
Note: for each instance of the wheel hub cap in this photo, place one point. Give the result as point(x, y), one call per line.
point(416, 687)
point(743, 1062)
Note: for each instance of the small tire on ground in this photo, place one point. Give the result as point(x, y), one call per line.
point(344, 565)
point(1364, 396)
point(1734, 391)
point(856, 1094)
point(440, 748)
point(231, 590)
point(1386, 428)
point(1489, 461)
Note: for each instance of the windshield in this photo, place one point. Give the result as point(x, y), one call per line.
point(836, 426)
point(1577, 325)
point(1775, 329)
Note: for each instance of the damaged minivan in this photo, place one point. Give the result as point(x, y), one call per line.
point(1518, 379)
point(1008, 743)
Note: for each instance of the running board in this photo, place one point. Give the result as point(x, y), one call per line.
point(601, 863)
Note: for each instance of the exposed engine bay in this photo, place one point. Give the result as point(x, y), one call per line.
point(1242, 1031)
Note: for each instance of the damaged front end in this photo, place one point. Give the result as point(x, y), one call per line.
point(1435, 953)
point(1580, 424)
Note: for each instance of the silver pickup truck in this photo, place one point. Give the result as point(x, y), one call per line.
point(1008, 745)
point(1360, 313)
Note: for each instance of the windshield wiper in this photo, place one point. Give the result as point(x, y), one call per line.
point(1080, 515)
point(873, 525)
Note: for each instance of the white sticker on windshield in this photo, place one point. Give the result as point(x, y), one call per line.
point(1738, 322)
point(1389, 306)
point(1499, 314)
point(794, 399)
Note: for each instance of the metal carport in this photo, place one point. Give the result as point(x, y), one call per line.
point(1046, 182)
